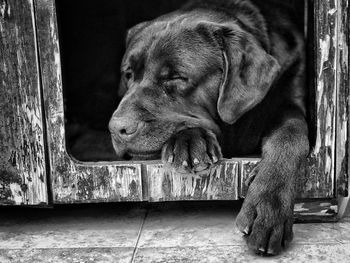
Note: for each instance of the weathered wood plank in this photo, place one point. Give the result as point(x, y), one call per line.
point(166, 185)
point(219, 183)
point(343, 136)
point(97, 183)
point(246, 169)
point(319, 180)
point(342, 97)
point(22, 151)
point(73, 181)
point(306, 184)
point(319, 210)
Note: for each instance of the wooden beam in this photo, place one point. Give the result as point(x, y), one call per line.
point(22, 150)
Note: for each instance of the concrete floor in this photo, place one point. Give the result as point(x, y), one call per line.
point(170, 232)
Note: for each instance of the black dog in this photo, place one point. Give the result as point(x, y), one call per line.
point(227, 73)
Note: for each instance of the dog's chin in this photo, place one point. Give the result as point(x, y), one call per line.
point(125, 153)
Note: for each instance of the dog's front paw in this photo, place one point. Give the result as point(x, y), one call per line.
point(191, 150)
point(266, 217)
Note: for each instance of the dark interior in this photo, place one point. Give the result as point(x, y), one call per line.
point(92, 45)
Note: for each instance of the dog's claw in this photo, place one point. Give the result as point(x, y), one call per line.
point(246, 231)
point(270, 251)
point(171, 159)
point(261, 249)
point(191, 151)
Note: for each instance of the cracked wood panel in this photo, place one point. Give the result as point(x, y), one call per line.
point(224, 182)
point(302, 183)
point(319, 178)
point(219, 183)
point(342, 146)
point(319, 210)
point(76, 182)
point(342, 83)
point(342, 98)
point(73, 181)
point(22, 151)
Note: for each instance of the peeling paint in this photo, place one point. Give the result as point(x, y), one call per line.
point(246, 169)
point(21, 124)
point(324, 45)
point(316, 210)
point(5, 9)
point(332, 11)
point(342, 146)
point(218, 183)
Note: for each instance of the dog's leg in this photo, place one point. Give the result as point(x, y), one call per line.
point(266, 216)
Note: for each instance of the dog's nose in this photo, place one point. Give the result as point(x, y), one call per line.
point(123, 127)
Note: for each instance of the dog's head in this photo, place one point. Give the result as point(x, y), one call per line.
point(184, 71)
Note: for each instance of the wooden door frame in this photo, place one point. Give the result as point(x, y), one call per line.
point(74, 181)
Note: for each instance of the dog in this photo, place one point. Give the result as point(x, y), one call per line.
point(221, 78)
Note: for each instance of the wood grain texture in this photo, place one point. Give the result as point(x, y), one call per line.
point(319, 179)
point(321, 210)
point(342, 154)
point(73, 181)
point(97, 183)
point(249, 164)
point(219, 183)
point(22, 151)
point(342, 84)
point(246, 169)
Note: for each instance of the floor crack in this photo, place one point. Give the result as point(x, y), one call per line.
point(138, 237)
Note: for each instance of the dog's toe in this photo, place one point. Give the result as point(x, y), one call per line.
point(192, 150)
point(275, 242)
point(198, 152)
point(267, 228)
point(245, 218)
point(259, 237)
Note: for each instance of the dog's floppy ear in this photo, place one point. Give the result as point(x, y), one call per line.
point(132, 32)
point(249, 72)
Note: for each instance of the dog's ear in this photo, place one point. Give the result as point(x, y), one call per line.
point(132, 32)
point(248, 72)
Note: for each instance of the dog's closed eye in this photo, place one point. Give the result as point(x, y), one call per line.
point(176, 78)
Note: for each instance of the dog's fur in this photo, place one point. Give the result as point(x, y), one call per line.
point(221, 77)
